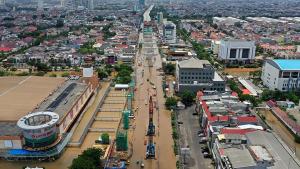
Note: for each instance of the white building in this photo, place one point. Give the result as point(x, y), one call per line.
point(215, 46)
point(227, 21)
point(281, 74)
point(237, 50)
point(169, 32)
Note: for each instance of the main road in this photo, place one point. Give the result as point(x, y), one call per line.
point(147, 77)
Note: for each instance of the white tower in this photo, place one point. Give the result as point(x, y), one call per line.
point(62, 3)
point(2, 2)
point(40, 5)
point(91, 4)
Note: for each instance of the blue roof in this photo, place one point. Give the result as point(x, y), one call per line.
point(288, 64)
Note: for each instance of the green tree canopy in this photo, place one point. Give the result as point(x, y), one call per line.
point(89, 159)
point(105, 138)
point(170, 102)
point(187, 97)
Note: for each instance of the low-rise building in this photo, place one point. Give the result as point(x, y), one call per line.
point(281, 74)
point(251, 149)
point(194, 75)
point(237, 51)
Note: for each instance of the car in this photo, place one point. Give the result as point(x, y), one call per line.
point(206, 155)
point(201, 135)
point(204, 150)
point(203, 140)
point(200, 131)
point(180, 122)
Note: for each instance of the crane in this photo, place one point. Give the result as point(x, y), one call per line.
point(150, 149)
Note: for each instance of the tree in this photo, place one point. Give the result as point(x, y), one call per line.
point(65, 74)
point(170, 69)
point(102, 74)
point(187, 97)
point(170, 102)
point(52, 75)
point(40, 73)
point(105, 138)
point(89, 159)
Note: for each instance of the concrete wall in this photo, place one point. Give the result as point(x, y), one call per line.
point(270, 76)
point(72, 114)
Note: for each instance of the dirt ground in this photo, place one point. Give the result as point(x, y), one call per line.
point(15, 92)
point(240, 71)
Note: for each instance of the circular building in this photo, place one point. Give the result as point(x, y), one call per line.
point(39, 128)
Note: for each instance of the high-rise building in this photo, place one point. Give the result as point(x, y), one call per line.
point(90, 4)
point(141, 4)
point(169, 32)
point(2, 2)
point(40, 5)
point(62, 3)
point(160, 18)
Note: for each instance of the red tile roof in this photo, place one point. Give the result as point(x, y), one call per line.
point(5, 49)
point(236, 131)
point(212, 118)
point(250, 119)
point(246, 91)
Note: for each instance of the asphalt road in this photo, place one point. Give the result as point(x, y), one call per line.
point(189, 137)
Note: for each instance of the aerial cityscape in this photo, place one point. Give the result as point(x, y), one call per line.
point(170, 84)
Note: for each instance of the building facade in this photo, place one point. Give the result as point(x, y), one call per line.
point(169, 32)
point(237, 51)
point(281, 74)
point(194, 75)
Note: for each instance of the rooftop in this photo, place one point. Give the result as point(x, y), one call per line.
point(20, 95)
point(288, 64)
point(193, 63)
point(63, 99)
point(275, 149)
point(239, 157)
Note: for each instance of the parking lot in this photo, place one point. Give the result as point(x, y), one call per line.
point(189, 131)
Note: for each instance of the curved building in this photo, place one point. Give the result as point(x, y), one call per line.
point(39, 129)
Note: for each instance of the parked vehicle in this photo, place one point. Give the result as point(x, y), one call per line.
point(206, 155)
point(201, 135)
point(200, 131)
point(203, 140)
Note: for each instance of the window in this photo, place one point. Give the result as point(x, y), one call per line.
point(286, 74)
point(8, 144)
point(294, 74)
point(245, 53)
point(232, 53)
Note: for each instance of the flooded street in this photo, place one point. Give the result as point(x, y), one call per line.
point(165, 158)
